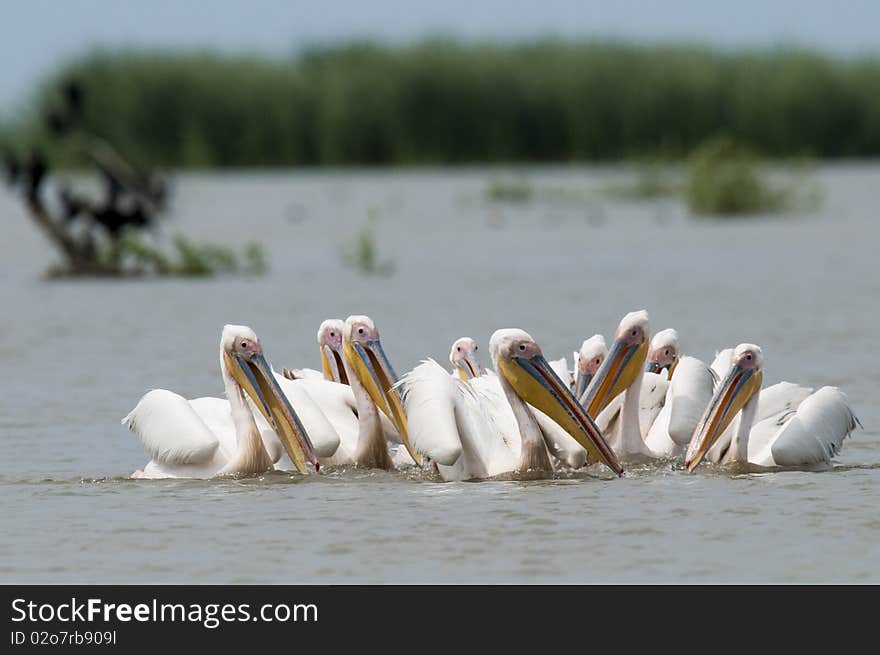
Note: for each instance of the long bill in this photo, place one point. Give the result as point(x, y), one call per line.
point(581, 382)
point(536, 383)
point(331, 362)
point(469, 366)
point(657, 367)
point(255, 376)
point(620, 368)
point(732, 394)
point(379, 379)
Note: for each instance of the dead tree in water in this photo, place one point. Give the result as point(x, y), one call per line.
point(131, 199)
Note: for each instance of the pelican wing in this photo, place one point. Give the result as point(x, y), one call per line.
point(776, 405)
point(171, 431)
point(651, 400)
point(217, 415)
point(812, 435)
point(429, 400)
point(560, 444)
point(340, 407)
point(488, 429)
point(780, 399)
point(487, 389)
point(658, 440)
point(690, 391)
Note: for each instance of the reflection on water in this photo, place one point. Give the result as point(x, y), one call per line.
point(78, 355)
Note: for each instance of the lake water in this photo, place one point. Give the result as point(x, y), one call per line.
point(78, 355)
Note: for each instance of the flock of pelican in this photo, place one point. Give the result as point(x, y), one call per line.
point(637, 401)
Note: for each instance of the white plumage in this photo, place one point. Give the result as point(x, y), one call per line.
point(687, 395)
point(191, 438)
point(485, 427)
point(172, 432)
point(721, 363)
point(810, 435)
point(561, 445)
point(651, 389)
point(560, 367)
point(302, 374)
point(328, 411)
point(793, 428)
point(461, 426)
point(564, 449)
point(207, 437)
point(430, 397)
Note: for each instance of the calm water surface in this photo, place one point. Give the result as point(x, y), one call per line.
point(78, 355)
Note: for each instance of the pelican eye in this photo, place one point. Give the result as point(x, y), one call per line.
point(458, 348)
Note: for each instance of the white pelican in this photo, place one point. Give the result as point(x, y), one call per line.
point(624, 398)
point(587, 361)
point(464, 359)
point(371, 386)
point(562, 446)
point(459, 426)
point(777, 401)
point(330, 346)
point(691, 384)
point(810, 435)
point(191, 439)
point(326, 403)
point(663, 354)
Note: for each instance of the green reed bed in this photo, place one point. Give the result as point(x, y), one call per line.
point(447, 102)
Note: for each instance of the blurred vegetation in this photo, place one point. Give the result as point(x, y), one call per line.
point(653, 179)
point(518, 189)
point(511, 190)
point(360, 252)
point(106, 234)
point(724, 179)
point(447, 102)
point(133, 254)
point(727, 178)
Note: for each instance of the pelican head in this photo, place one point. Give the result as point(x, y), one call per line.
point(330, 343)
point(590, 358)
point(464, 358)
point(624, 362)
point(742, 382)
point(363, 352)
point(663, 353)
point(243, 360)
point(518, 358)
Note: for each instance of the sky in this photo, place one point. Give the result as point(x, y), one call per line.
point(36, 36)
